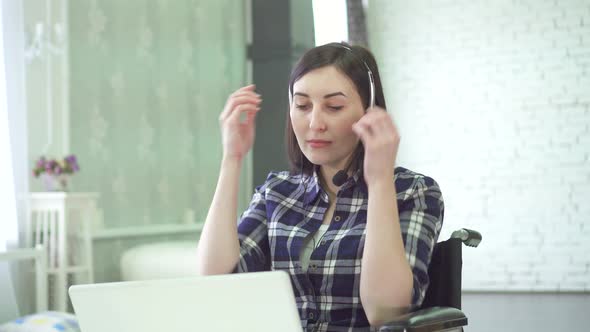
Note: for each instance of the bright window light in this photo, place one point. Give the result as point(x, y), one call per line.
point(330, 21)
point(8, 228)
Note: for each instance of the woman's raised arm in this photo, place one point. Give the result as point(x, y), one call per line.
point(218, 248)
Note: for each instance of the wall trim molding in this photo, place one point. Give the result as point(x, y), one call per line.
point(116, 233)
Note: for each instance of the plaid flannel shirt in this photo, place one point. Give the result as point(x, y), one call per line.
point(287, 208)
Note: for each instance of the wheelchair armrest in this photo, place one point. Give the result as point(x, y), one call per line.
point(428, 319)
point(470, 237)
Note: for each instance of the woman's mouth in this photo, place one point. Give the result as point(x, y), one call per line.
point(317, 143)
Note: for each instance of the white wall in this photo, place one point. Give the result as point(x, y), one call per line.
point(492, 99)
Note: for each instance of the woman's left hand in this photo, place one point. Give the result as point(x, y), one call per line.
point(381, 141)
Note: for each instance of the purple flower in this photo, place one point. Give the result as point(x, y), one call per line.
point(41, 162)
point(72, 163)
point(67, 165)
point(71, 159)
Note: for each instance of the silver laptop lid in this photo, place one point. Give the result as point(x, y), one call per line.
point(261, 301)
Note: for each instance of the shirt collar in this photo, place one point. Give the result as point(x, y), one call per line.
point(356, 180)
point(312, 184)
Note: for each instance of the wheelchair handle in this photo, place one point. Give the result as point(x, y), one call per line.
point(469, 237)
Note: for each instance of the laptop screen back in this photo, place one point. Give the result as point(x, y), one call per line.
point(261, 301)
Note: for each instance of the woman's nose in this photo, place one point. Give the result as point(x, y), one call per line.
point(316, 121)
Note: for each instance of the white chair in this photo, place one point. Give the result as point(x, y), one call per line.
point(42, 320)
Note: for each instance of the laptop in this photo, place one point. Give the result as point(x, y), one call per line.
point(257, 301)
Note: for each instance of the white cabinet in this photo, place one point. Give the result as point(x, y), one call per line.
point(61, 222)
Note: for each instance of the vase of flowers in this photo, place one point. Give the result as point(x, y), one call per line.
point(55, 173)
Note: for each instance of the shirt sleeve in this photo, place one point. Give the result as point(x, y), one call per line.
point(421, 218)
point(253, 235)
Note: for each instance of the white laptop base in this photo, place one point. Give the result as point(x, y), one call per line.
point(261, 301)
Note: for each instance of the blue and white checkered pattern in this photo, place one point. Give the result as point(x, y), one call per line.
point(287, 208)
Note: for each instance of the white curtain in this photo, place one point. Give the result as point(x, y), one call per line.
point(14, 168)
point(9, 223)
point(14, 75)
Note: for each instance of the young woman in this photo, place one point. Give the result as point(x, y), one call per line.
point(354, 233)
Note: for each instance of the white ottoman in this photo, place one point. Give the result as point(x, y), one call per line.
point(159, 261)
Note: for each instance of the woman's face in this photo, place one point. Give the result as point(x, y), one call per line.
point(325, 106)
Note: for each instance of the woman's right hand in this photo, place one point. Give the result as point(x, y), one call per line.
point(238, 136)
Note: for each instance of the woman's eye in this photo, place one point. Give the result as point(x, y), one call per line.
point(336, 108)
point(301, 107)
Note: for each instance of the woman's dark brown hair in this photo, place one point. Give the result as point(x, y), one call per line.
point(349, 61)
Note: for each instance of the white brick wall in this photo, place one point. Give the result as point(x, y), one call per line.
point(492, 99)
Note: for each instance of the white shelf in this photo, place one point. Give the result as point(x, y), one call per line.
point(147, 230)
point(61, 194)
point(69, 269)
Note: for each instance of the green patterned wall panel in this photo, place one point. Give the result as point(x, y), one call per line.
point(148, 80)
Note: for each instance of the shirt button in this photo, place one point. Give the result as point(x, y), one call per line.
point(313, 266)
point(323, 243)
point(337, 218)
point(311, 315)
